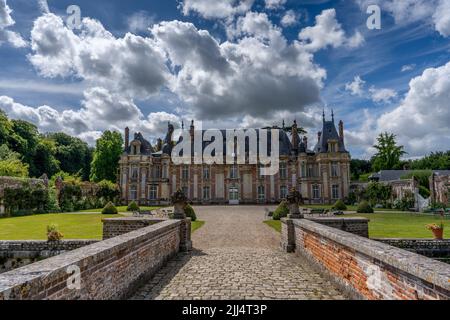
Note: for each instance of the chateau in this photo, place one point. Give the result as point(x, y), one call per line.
point(320, 171)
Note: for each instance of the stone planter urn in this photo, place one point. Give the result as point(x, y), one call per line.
point(179, 201)
point(294, 200)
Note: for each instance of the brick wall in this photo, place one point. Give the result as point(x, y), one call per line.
point(16, 254)
point(358, 226)
point(436, 249)
point(368, 269)
point(113, 227)
point(110, 269)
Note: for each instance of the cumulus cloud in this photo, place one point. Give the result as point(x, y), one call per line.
point(6, 21)
point(356, 87)
point(132, 64)
point(275, 4)
point(140, 21)
point(435, 12)
point(382, 95)
point(328, 32)
point(216, 9)
point(290, 18)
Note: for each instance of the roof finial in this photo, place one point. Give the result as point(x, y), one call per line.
point(182, 124)
point(323, 115)
point(284, 124)
point(332, 115)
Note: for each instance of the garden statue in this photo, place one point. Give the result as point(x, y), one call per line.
point(179, 201)
point(294, 200)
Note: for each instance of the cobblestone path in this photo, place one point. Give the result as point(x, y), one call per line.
point(236, 256)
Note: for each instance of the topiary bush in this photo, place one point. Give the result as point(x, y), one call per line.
point(133, 207)
point(190, 213)
point(364, 207)
point(110, 209)
point(340, 205)
point(53, 233)
point(282, 211)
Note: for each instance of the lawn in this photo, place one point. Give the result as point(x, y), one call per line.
point(73, 226)
point(121, 209)
point(393, 225)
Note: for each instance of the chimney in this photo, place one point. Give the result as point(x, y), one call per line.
point(295, 135)
point(341, 130)
point(319, 135)
point(305, 142)
point(192, 130)
point(127, 138)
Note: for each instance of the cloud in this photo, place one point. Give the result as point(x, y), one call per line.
point(290, 18)
point(328, 32)
point(275, 4)
point(6, 21)
point(43, 5)
point(433, 12)
point(140, 21)
point(408, 67)
point(356, 88)
point(133, 65)
point(216, 9)
point(382, 95)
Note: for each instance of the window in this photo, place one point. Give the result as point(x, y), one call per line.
point(261, 193)
point(134, 173)
point(153, 192)
point(283, 170)
point(335, 191)
point(185, 173)
point(283, 192)
point(234, 194)
point(185, 191)
point(334, 169)
point(155, 172)
point(206, 193)
point(316, 192)
point(234, 172)
point(303, 170)
point(165, 172)
point(332, 147)
point(206, 173)
point(133, 193)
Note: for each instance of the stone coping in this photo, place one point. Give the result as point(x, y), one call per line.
point(338, 219)
point(429, 270)
point(82, 256)
point(133, 219)
point(20, 245)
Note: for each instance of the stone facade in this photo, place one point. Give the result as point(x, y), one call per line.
point(16, 254)
point(367, 269)
point(110, 269)
point(321, 174)
point(440, 188)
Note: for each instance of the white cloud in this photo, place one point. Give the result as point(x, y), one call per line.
point(356, 87)
point(275, 4)
point(328, 32)
point(408, 67)
point(382, 95)
point(43, 5)
point(290, 18)
point(140, 21)
point(433, 12)
point(216, 9)
point(6, 21)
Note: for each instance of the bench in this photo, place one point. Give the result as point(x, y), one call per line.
point(320, 212)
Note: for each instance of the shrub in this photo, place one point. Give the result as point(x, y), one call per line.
point(340, 205)
point(282, 211)
point(110, 209)
point(424, 192)
point(190, 213)
point(364, 207)
point(53, 233)
point(133, 207)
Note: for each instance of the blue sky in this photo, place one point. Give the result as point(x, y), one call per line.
point(244, 64)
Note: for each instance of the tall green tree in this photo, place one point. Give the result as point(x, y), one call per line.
point(433, 161)
point(107, 153)
point(44, 160)
point(10, 163)
point(388, 153)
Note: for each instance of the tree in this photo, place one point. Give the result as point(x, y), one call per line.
point(107, 153)
point(44, 159)
point(73, 154)
point(359, 167)
point(5, 128)
point(10, 164)
point(388, 153)
point(434, 161)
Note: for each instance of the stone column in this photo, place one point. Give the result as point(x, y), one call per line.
point(287, 235)
point(179, 201)
point(295, 199)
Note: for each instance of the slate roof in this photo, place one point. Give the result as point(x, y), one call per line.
point(329, 132)
point(146, 147)
point(393, 175)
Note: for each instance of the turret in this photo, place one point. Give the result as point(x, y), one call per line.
point(295, 141)
point(127, 138)
point(341, 130)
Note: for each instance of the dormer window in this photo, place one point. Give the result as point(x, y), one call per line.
point(332, 146)
point(135, 148)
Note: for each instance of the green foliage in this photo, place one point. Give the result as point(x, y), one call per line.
point(340, 205)
point(10, 163)
point(388, 153)
point(424, 192)
point(282, 211)
point(378, 193)
point(110, 209)
point(107, 190)
point(359, 168)
point(70, 197)
point(406, 203)
point(26, 200)
point(53, 233)
point(44, 160)
point(364, 207)
point(434, 161)
point(133, 207)
point(52, 205)
point(190, 213)
point(106, 157)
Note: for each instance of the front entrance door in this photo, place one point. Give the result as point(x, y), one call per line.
point(234, 195)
